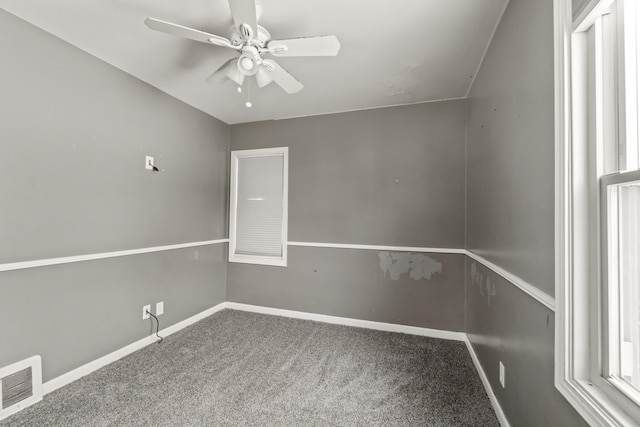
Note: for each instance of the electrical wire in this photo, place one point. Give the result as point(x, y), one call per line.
point(157, 326)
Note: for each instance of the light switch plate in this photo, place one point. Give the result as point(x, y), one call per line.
point(159, 308)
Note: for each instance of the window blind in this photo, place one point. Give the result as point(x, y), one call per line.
point(260, 206)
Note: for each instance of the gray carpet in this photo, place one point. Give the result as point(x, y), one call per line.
point(244, 369)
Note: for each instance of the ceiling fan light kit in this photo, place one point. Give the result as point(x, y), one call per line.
point(249, 61)
point(253, 42)
point(263, 75)
point(234, 74)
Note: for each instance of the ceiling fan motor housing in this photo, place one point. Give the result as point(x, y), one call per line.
point(260, 40)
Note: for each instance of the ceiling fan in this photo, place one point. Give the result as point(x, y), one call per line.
point(253, 42)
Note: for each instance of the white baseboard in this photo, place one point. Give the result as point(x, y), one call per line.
point(487, 385)
point(93, 366)
point(367, 324)
point(90, 367)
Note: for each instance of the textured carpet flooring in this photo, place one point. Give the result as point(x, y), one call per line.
point(244, 369)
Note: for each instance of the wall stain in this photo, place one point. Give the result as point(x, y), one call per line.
point(491, 290)
point(488, 289)
point(476, 276)
point(403, 81)
point(418, 266)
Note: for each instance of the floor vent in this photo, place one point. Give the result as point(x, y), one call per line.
point(20, 385)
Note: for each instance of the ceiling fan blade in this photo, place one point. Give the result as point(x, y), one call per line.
point(282, 77)
point(245, 12)
point(305, 46)
point(186, 32)
point(220, 75)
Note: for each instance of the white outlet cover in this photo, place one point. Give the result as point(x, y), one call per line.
point(159, 308)
point(501, 374)
point(146, 315)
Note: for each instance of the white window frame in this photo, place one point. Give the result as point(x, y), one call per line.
point(233, 206)
point(578, 348)
point(610, 256)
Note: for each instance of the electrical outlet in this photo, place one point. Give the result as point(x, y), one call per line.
point(145, 311)
point(148, 162)
point(159, 308)
point(501, 374)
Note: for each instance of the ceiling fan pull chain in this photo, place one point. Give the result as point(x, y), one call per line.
point(248, 103)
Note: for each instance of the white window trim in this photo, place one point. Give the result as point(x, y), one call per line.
point(609, 255)
point(572, 375)
point(233, 205)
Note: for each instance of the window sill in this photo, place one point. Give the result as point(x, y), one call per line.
point(593, 404)
point(252, 259)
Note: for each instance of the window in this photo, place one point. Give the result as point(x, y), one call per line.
point(258, 208)
point(598, 211)
point(621, 260)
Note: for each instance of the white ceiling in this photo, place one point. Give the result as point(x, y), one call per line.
point(392, 52)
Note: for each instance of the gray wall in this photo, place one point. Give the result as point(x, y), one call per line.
point(577, 5)
point(510, 147)
point(510, 217)
point(386, 176)
point(356, 284)
point(506, 325)
point(74, 135)
point(392, 176)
